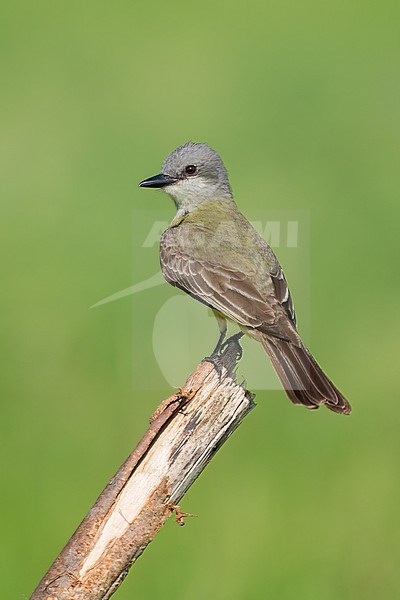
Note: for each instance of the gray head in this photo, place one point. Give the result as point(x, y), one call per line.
point(192, 174)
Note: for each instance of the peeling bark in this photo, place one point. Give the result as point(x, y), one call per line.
point(184, 434)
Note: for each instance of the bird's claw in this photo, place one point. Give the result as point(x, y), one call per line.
point(234, 341)
point(215, 360)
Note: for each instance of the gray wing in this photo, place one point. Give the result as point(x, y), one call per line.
point(230, 291)
point(282, 293)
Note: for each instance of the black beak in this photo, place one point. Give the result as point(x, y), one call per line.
point(158, 181)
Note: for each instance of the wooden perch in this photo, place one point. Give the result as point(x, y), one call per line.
point(184, 434)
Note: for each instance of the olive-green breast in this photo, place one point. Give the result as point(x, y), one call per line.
point(218, 233)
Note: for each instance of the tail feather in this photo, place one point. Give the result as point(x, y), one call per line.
point(302, 378)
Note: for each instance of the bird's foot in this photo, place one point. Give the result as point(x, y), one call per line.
point(180, 516)
point(233, 341)
point(218, 347)
point(215, 360)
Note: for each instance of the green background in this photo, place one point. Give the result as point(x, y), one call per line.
point(302, 100)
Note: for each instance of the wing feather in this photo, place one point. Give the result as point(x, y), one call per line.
point(229, 291)
point(282, 293)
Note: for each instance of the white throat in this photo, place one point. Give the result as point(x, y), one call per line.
point(188, 194)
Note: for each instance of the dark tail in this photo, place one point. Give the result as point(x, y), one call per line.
point(302, 378)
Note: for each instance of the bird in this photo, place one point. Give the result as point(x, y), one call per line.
point(213, 253)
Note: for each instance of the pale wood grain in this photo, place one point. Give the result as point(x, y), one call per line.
point(184, 434)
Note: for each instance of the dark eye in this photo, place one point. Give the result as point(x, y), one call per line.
point(191, 169)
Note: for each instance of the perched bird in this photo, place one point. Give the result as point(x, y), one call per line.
point(213, 253)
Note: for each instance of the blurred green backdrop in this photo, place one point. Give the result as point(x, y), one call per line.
point(302, 101)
